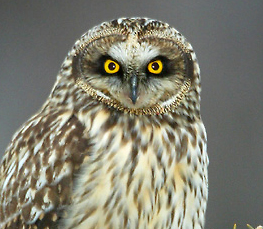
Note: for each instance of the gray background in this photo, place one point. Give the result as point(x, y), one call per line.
point(228, 39)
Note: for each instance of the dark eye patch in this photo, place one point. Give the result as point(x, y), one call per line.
point(167, 67)
point(99, 68)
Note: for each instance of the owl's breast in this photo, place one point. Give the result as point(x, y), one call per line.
point(139, 176)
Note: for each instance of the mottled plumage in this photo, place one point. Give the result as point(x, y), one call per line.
point(119, 143)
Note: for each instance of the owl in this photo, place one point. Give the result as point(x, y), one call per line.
point(119, 143)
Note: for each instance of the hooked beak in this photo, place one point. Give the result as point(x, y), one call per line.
point(134, 88)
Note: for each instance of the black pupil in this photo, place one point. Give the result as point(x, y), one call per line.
point(112, 66)
point(155, 66)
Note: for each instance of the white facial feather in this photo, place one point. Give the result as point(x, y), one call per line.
point(133, 52)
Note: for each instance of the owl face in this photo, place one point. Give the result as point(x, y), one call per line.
point(134, 65)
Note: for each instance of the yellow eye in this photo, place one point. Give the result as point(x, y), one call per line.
point(155, 67)
point(111, 66)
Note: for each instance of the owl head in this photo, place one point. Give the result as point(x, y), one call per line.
point(135, 65)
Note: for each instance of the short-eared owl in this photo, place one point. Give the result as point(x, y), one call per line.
point(119, 143)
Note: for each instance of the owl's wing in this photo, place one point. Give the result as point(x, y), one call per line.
point(37, 171)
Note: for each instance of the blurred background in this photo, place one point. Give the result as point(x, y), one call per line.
point(227, 36)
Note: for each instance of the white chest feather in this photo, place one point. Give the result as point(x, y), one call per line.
point(147, 177)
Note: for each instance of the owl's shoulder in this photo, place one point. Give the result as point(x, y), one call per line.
point(37, 170)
